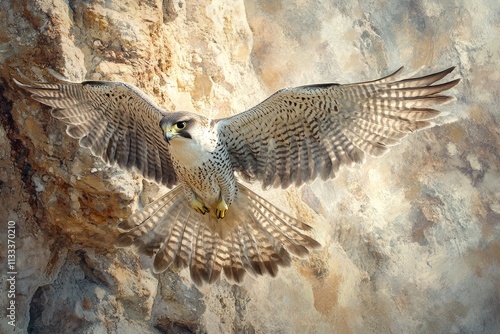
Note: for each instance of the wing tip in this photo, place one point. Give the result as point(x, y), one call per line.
point(23, 81)
point(453, 83)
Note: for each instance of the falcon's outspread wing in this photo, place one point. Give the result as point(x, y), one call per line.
point(300, 133)
point(116, 121)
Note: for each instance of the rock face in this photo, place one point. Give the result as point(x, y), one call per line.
point(411, 240)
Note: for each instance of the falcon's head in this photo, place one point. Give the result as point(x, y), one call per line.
point(182, 125)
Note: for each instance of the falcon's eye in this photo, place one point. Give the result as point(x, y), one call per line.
point(180, 125)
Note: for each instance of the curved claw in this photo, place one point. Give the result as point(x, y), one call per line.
point(221, 209)
point(199, 207)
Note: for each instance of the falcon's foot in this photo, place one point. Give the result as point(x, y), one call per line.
point(199, 206)
point(221, 209)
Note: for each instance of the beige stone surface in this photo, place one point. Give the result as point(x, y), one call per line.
point(411, 240)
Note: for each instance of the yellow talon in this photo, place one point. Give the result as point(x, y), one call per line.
point(221, 209)
point(199, 206)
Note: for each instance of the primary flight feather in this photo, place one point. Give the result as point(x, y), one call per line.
point(210, 222)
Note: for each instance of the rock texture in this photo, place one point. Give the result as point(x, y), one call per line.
point(411, 240)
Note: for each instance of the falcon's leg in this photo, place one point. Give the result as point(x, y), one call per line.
point(195, 203)
point(228, 191)
point(199, 206)
point(221, 209)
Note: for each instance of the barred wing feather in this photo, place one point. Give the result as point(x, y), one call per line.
point(299, 134)
point(115, 120)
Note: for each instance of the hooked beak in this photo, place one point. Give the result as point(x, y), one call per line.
point(169, 133)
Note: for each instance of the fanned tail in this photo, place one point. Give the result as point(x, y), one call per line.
point(255, 237)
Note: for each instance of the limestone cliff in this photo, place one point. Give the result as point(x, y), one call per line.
point(411, 240)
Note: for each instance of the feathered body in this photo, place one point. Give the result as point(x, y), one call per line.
point(203, 165)
point(210, 222)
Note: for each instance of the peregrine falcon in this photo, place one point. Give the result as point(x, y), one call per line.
point(209, 221)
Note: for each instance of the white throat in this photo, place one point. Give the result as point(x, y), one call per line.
point(189, 152)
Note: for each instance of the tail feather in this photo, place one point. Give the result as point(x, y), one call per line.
point(269, 249)
point(234, 268)
point(151, 240)
point(253, 252)
point(170, 247)
point(144, 227)
point(269, 223)
point(254, 237)
point(151, 210)
point(195, 264)
point(270, 207)
point(215, 257)
point(246, 258)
